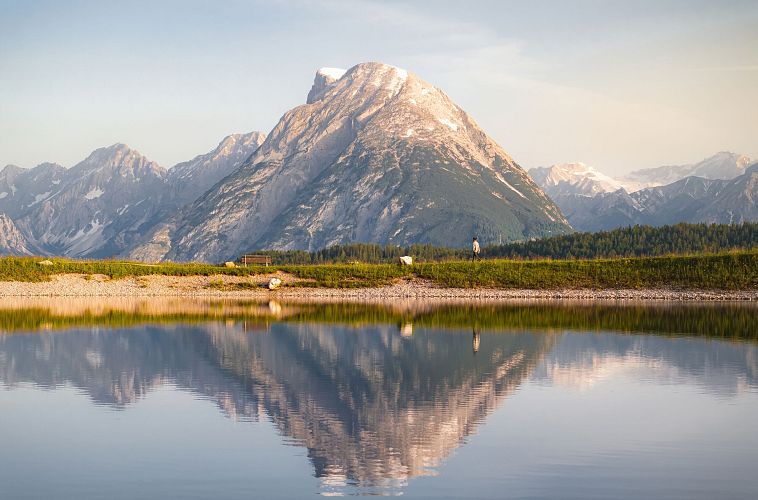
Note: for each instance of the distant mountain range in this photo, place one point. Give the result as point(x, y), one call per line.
point(719, 189)
point(103, 204)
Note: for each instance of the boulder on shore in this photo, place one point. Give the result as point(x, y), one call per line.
point(406, 260)
point(230, 264)
point(274, 283)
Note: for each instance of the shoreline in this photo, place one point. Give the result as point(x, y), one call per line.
point(222, 286)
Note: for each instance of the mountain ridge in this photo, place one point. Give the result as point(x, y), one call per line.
point(593, 201)
point(105, 203)
point(692, 199)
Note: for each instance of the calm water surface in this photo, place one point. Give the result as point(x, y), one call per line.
point(245, 400)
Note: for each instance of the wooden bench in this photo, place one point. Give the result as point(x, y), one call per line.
point(255, 259)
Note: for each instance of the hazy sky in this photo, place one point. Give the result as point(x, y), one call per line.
point(617, 84)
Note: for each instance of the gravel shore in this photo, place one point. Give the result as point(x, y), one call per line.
point(73, 285)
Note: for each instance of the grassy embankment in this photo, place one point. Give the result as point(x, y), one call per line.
point(727, 271)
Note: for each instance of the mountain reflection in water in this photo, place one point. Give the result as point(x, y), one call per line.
point(377, 405)
point(373, 408)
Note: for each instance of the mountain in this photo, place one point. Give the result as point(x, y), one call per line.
point(21, 189)
point(723, 165)
point(104, 204)
point(100, 204)
point(576, 178)
point(736, 201)
point(580, 179)
point(190, 179)
point(693, 199)
point(718, 189)
point(377, 155)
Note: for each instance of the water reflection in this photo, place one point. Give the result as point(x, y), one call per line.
point(735, 320)
point(720, 368)
point(375, 405)
point(374, 408)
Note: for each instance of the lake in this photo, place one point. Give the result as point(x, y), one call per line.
point(186, 398)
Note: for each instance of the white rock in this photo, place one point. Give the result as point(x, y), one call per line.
point(274, 283)
point(230, 264)
point(406, 260)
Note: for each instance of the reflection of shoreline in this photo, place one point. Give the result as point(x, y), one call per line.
point(729, 320)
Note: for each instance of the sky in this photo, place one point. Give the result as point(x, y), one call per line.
point(619, 85)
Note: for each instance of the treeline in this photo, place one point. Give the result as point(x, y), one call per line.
point(635, 241)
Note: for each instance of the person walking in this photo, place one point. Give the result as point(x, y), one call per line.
point(476, 249)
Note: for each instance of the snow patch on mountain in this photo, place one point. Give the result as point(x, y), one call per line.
point(508, 184)
point(94, 193)
point(448, 123)
point(334, 73)
point(577, 178)
point(41, 197)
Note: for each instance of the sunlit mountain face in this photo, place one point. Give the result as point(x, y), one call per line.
point(377, 397)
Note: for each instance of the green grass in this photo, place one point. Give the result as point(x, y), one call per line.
point(727, 271)
point(348, 275)
point(29, 269)
point(730, 271)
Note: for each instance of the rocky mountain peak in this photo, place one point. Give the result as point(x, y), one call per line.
point(192, 178)
point(722, 165)
point(11, 169)
point(239, 143)
point(50, 166)
point(325, 77)
point(575, 178)
point(117, 158)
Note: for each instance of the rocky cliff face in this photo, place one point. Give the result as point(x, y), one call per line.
point(12, 242)
point(378, 155)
